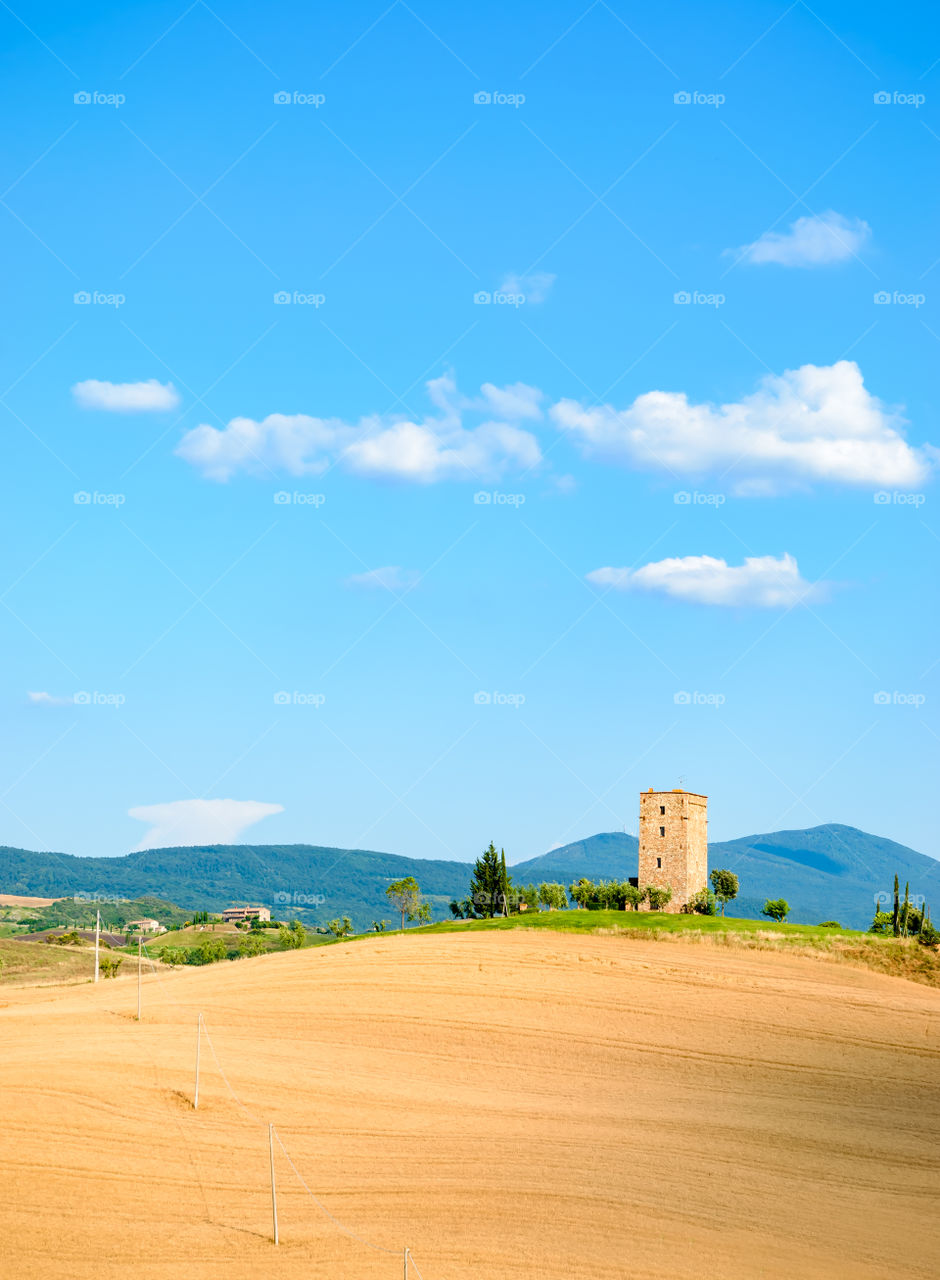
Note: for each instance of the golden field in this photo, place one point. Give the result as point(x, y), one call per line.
point(505, 1104)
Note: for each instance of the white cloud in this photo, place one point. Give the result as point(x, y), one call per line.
point(761, 581)
point(126, 397)
point(515, 402)
point(814, 241)
point(534, 286)
point(818, 422)
point(390, 578)
point(437, 447)
point(43, 699)
point(186, 822)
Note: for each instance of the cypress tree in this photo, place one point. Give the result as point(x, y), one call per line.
point(906, 909)
point(896, 913)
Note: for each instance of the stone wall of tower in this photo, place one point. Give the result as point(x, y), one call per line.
point(674, 843)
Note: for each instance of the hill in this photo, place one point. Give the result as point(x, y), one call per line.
point(826, 872)
point(830, 871)
point(505, 1104)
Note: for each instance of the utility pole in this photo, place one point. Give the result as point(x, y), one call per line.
point(273, 1189)
point(198, 1042)
point(140, 943)
point(97, 940)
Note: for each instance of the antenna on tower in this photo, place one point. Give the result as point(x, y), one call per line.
point(681, 781)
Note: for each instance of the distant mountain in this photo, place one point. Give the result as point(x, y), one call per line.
point(830, 872)
point(311, 882)
point(610, 856)
point(827, 872)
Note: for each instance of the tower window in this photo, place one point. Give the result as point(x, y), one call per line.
point(659, 863)
point(662, 831)
point(662, 809)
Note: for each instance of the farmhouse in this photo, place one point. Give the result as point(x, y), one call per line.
point(144, 926)
point(232, 914)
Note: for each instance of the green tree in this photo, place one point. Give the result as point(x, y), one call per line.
point(582, 892)
point(725, 885)
point(656, 897)
point(702, 903)
point(293, 936)
point(776, 909)
point(553, 896)
point(896, 914)
point(504, 883)
point(489, 883)
point(527, 896)
point(379, 926)
point(252, 943)
point(208, 952)
point(406, 896)
point(340, 928)
point(633, 896)
point(606, 894)
point(906, 909)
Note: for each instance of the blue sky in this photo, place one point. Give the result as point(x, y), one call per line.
point(386, 566)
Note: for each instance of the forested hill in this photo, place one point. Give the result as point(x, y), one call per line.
point(826, 872)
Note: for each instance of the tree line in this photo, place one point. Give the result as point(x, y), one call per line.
point(492, 893)
point(906, 919)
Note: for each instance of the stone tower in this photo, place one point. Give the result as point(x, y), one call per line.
point(674, 843)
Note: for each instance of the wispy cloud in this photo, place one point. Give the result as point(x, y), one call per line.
point(761, 581)
point(439, 446)
point(815, 423)
point(126, 397)
point(391, 577)
point(43, 699)
point(188, 822)
point(534, 287)
point(815, 241)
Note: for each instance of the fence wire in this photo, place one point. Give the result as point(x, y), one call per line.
point(256, 1119)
